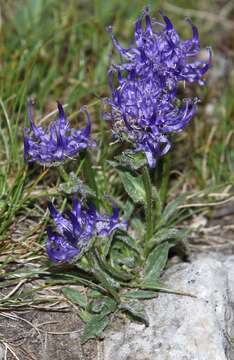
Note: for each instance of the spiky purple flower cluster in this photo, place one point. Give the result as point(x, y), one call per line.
point(57, 142)
point(144, 104)
point(75, 233)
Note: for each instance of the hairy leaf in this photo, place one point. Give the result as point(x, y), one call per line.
point(167, 234)
point(141, 294)
point(75, 297)
point(113, 271)
point(131, 160)
point(84, 315)
point(104, 305)
point(94, 327)
point(133, 186)
point(136, 309)
point(159, 286)
point(171, 209)
point(130, 242)
point(156, 262)
point(138, 227)
point(75, 185)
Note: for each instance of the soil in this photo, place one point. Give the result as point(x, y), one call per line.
point(42, 335)
point(216, 233)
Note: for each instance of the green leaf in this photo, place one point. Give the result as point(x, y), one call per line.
point(127, 207)
point(158, 286)
point(107, 245)
point(113, 271)
point(131, 160)
point(133, 186)
point(136, 309)
point(139, 227)
point(167, 234)
point(112, 163)
point(171, 208)
point(141, 294)
point(104, 305)
point(84, 315)
point(75, 185)
point(94, 294)
point(75, 297)
point(116, 273)
point(123, 260)
point(156, 262)
point(130, 242)
point(108, 279)
point(94, 327)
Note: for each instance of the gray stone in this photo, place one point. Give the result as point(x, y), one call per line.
point(182, 327)
point(2, 353)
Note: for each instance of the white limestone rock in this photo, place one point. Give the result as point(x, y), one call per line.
point(181, 327)
point(2, 353)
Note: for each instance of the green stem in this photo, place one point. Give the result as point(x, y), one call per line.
point(101, 276)
point(89, 175)
point(165, 179)
point(158, 205)
point(63, 173)
point(148, 205)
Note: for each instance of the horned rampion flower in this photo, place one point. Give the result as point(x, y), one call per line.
point(161, 53)
point(146, 115)
point(144, 103)
point(75, 232)
point(55, 143)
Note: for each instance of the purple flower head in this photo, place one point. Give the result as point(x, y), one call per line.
point(144, 89)
point(57, 142)
point(161, 54)
point(147, 115)
point(74, 234)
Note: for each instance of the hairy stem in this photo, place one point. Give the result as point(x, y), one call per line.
point(63, 173)
point(165, 179)
point(89, 173)
point(90, 176)
point(148, 205)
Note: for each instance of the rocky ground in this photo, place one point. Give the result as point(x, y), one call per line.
point(181, 327)
point(197, 327)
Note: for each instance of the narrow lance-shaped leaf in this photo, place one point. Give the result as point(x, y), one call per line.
point(130, 242)
point(156, 262)
point(94, 327)
point(173, 235)
point(171, 208)
point(112, 271)
point(141, 294)
point(104, 305)
point(160, 287)
point(75, 297)
point(133, 186)
point(136, 309)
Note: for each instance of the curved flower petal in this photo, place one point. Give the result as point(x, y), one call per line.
point(58, 142)
point(163, 52)
point(144, 104)
point(58, 249)
point(76, 232)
